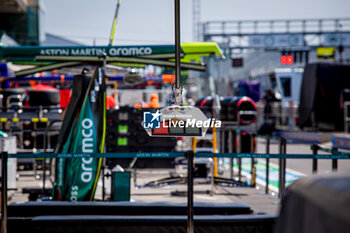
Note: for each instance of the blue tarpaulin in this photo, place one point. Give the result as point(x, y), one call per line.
point(250, 89)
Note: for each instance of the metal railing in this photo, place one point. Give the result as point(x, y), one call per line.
point(311, 31)
point(282, 156)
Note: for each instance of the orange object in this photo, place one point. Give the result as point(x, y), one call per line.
point(154, 103)
point(62, 78)
point(141, 105)
point(110, 102)
point(32, 83)
point(168, 78)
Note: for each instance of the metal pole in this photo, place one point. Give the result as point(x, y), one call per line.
point(223, 141)
point(34, 133)
point(253, 171)
point(178, 94)
point(215, 159)
point(212, 178)
point(282, 167)
point(44, 176)
point(239, 146)
point(267, 165)
point(334, 162)
point(280, 149)
point(194, 144)
point(114, 25)
point(239, 150)
point(135, 177)
point(190, 223)
point(230, 150)
point(314, 149)
point(3, 192)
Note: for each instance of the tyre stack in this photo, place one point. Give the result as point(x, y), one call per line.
point(34, 132)
point(235, 110)
point(231, 106)
point(126, 134)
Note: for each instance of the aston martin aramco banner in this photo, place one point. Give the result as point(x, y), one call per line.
point(97, 51)
point(112, 51)
point(82, 131)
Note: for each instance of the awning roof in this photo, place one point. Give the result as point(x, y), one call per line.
point(159, 55)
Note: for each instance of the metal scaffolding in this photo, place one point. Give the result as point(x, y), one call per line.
point(279, 34)
point(196, 17)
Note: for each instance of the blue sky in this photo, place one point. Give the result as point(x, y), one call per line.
point(151, 21)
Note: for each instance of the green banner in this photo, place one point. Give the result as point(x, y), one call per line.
point(83, 131)
point(81, 173)
point(76, 177)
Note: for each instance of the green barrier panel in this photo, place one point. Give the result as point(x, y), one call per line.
point(121, 186)
point(101, 155)
point(181, 154)
point(273, 156)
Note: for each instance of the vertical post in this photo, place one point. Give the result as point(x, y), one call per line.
point(190, 223)
point(34, 133)
point(3, 192)
point(194, 144)
point(44, 176)
point(282, 167)
point(222, 141)
point(178, 94)
point(253, 171)
point(346, 129)
point(230, 150)
point(239, 150)
point(314, 149)
point(280, 149)
point(212, 178)
point(135, 177)
point(334, 162)
point(215, 159)
point(267, 164)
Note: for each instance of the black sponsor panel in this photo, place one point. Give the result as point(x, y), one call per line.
point(126, 134)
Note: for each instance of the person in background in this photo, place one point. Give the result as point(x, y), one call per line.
point(111, 101)
point(269, 98)
point(154, 102)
